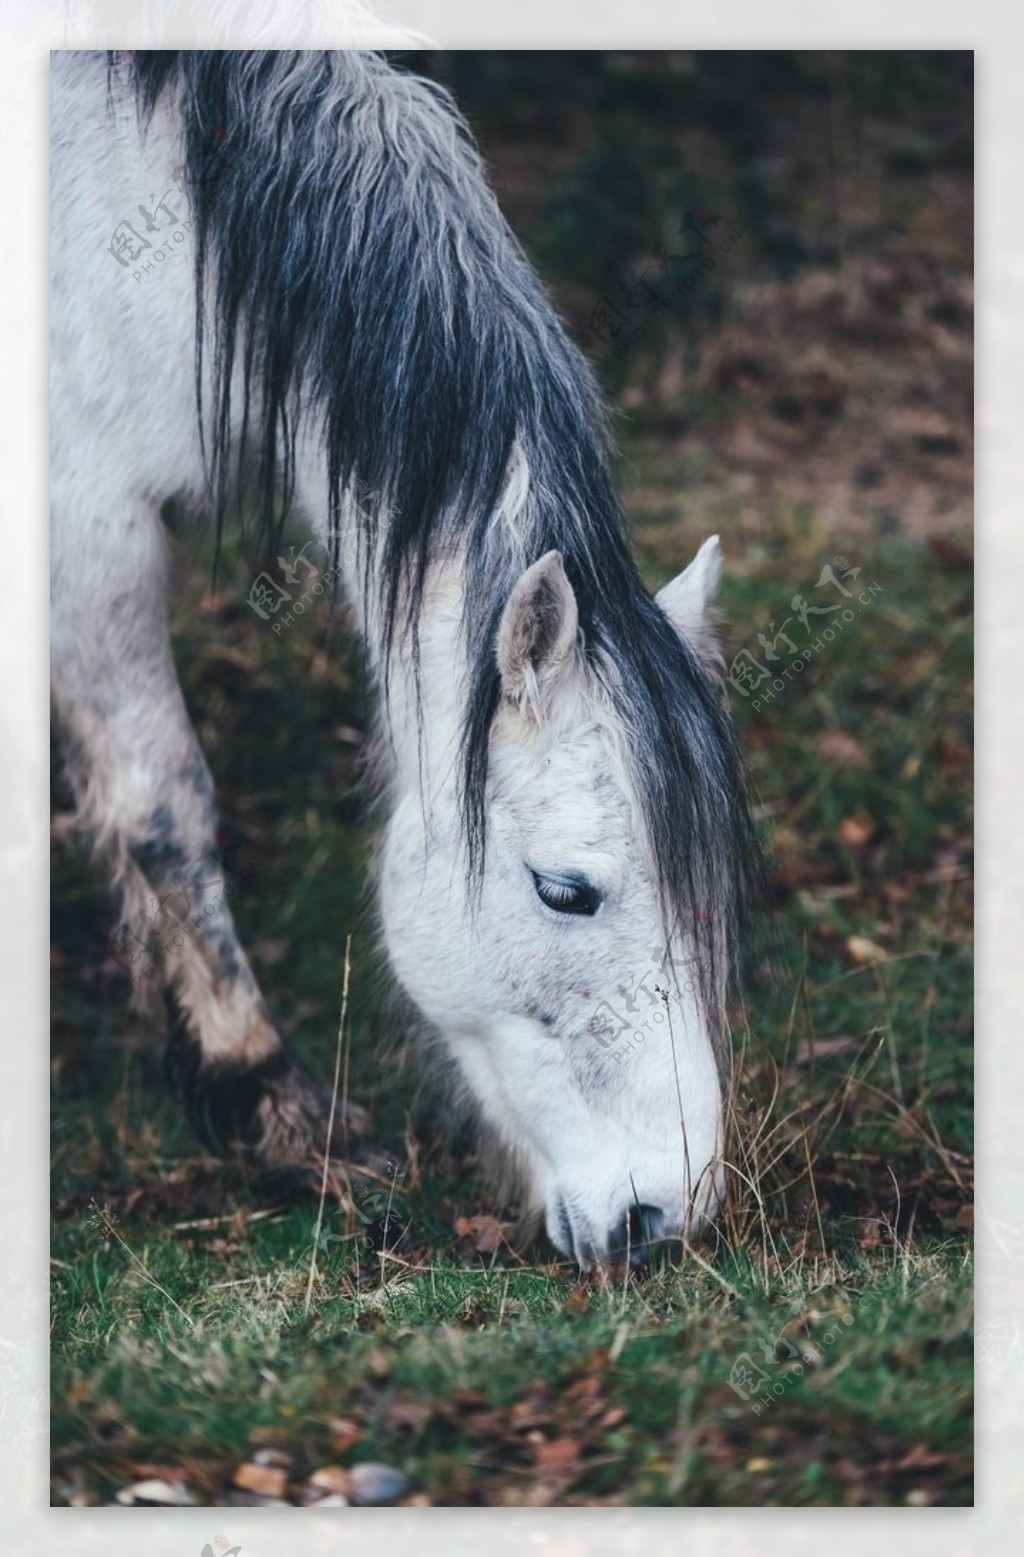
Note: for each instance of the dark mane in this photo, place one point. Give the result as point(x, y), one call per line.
point(351, 260)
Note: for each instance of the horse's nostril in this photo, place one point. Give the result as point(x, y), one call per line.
point(637, 1235)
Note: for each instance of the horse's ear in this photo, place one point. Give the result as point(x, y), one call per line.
point(537, 636)
point(688, 601)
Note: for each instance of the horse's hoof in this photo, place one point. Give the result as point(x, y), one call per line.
point(294, 1125)
point(272, 1110)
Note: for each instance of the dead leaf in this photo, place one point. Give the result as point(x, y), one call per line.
point(557, 1454)
point(145, 1470)
point(485, 1233)
point(821, 1048)
point(871, 1233)
point(929, 430)
point(331, 1479)
point(344, 1432)
point(863, 950)
point(266, 1480)
point(413, 1414)
point(487, 1424)
point(921, 1458)
point(217, 604)
point(584, 1394)
point(964, 1219)
point(842, 748)
point(530, 1413)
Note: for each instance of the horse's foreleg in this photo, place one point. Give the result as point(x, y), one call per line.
point(145, 797)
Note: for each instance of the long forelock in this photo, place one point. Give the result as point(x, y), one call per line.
point(353, 266)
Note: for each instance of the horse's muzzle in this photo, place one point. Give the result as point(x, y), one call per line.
point(639, 1239)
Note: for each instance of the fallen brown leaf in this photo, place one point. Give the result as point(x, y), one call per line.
point(344, 1433)
point(529, 1413)
point(557, 1454)
point(871, 1233)
point(578, 1301)
point(267, 1480)
point(414, 1414)
point(485, 1233)
point(331, 1479)
point(920, 1458)
point(821, 1048)
point(862, 949)
point(842, 747)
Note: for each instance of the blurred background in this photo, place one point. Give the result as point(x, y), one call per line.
point(827, 359)
point(809, 398)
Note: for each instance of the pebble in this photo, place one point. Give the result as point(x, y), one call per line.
point(331, 1478)
point(371, 1485)
point(277, 1459)
point(156, 1494)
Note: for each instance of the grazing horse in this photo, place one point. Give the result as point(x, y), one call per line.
point(331, 294)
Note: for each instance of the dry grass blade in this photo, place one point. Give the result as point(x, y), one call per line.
point(330, 1124)
point(106, 1222)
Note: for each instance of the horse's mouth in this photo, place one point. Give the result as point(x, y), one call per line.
point(639, 1240)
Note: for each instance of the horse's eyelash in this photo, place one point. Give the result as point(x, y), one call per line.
point(561, 884)
point(560, 889)
point(559, 892)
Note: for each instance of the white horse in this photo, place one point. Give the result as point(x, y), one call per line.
point(338, 297)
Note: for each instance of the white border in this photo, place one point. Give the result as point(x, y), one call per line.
point(28, 33)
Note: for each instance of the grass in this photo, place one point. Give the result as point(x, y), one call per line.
point(181, 1337)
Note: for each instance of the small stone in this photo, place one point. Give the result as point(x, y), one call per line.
point(330, 1479)
point(156, 1494)
point(372, 1485)
point(268, 1481)
point(73, 1493)
point(277, 1459)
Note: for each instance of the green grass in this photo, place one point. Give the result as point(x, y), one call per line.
point(181, 1338)
point(499, 1377)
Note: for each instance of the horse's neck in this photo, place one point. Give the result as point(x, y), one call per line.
point(423, 715)
point(421, 718)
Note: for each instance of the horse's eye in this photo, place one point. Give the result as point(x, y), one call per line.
point(567, 894)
